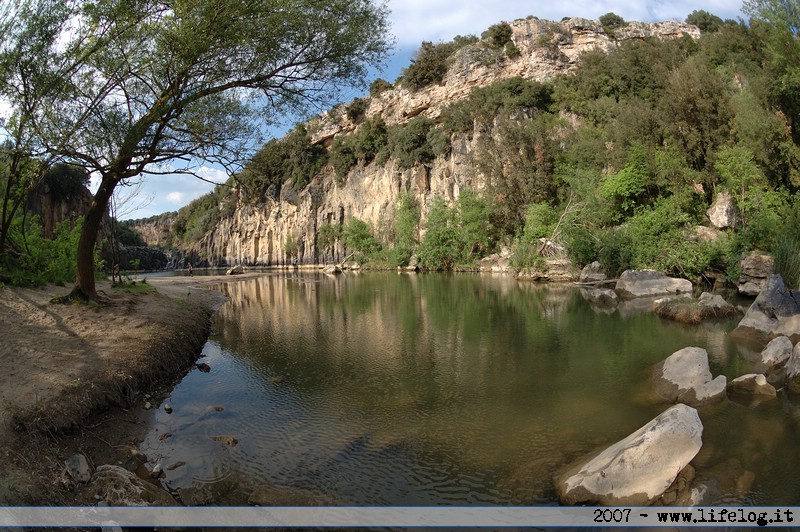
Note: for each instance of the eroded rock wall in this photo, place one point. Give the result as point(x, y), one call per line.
point(258, 234)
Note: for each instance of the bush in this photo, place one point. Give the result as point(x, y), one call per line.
point(431, 62)
point(498, 35)
point(408, 143)
point(342, 156)
point(611, 21)
point(357, 237)
point(357, 109)
point(379, 86)
point(42, 260)
point(442, 247)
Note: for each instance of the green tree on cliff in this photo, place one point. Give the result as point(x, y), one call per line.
point(174, 81)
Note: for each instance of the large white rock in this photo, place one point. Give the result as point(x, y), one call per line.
point(724, 212)
point(777, 353)
point(774, 313)
point(638, 469)
point(650, 283)
point(685, 377)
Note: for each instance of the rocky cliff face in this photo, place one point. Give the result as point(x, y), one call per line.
point(257, 235)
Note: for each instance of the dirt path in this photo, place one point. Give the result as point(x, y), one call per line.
point(70, 373)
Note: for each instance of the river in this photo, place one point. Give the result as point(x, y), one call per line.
point(430, 389)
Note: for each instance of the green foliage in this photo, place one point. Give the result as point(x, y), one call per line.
point(357, 237)
point(357, 109)
point(704, 20)
point(290, 248)
point(740, 174)
point(697, 106)
point(498, 35)
point(408, 144)
point(474, 223)
point(379, 86)
point(786, 250)
point(611, 21)
point(41, 260)
point(342, 155)
point(65, 181)
point(540, 221)
point(501, 97)
point(327, 235)
point(403, 233)
point(431, 62)
point(293, 158)
point(626, 188)
point(127, 236)
point(442, 247)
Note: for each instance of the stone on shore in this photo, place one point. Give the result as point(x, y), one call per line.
point(752, 384)
point(78, 468)
point(754, 270)
point(119, 487)
point(593, 273)
point(685, 377)
point(650, 283)
point(637, 470)
point(774, 313)
point(236, 270)
point(604, 298)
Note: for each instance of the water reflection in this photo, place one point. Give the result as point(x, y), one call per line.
point(430, 389)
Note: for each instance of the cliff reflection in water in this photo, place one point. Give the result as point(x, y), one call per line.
point(383, 388)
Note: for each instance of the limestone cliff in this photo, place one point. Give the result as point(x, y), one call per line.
point(257, 234)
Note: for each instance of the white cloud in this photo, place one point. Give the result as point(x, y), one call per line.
point(175, 197)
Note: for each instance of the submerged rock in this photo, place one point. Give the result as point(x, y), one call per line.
point(752, 384)
point(266, 495)
point(637, 470)
point(650, 283)
point(230, 441)
point(689, 311)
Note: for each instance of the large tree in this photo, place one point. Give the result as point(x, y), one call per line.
point(181, 80)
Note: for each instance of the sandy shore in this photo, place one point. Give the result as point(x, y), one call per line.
point(73, 378)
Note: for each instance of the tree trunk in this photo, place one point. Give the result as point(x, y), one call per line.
point(84, 284)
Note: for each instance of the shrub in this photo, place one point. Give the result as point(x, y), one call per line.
point(42, 260)
point(408, 143)
point(431, 62)
point(611, 21)
point(342, 156)
point(357, 237)
point(379, 86)
point(442, 247)
point(357, 109)
point(498, 35)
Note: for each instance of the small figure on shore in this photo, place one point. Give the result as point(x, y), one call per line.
point(189, 267)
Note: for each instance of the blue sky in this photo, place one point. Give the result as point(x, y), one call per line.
point(415, 21)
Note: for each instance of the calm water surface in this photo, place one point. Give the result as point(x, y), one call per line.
point(386, 389)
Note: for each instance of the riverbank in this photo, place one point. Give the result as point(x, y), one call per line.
point(75, 378)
